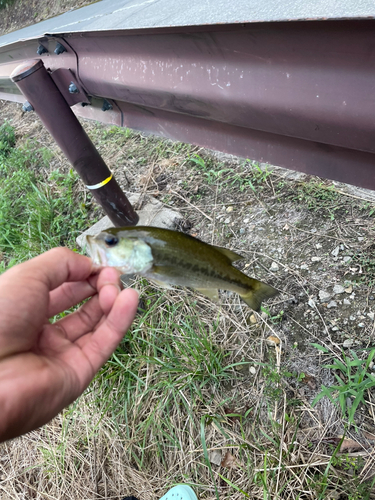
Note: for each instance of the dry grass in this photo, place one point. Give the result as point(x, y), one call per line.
point(196, 394)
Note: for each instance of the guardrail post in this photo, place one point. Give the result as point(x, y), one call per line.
point(42, 94)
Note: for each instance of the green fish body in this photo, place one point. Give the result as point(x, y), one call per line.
point(173, 258)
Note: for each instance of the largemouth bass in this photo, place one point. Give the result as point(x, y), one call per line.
point(173, 258)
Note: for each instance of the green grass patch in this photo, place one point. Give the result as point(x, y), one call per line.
point(38, 210)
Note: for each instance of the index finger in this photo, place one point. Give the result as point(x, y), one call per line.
point(57, 266)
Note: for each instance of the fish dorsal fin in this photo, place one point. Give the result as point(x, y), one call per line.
point(232, 256)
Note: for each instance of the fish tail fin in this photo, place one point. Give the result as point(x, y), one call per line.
point(258, 292)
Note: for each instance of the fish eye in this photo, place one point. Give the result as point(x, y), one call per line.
point(111, 241)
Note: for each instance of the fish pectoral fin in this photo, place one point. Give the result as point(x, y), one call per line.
point(232, 256)
point(211, 293)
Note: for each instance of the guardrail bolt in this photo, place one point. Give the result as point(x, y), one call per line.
point(27, 106)
point(60, 49)
point(41, 50)
point(106, 105)
point(73, 88)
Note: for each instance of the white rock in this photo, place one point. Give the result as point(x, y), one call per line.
point(336, 251)
point(227, 221)
point(246, 221)
point(316, 259)
point(274, 267)
point(333, 303)
point(348, 343)
point(338, 289)
point(252, 370)
point(229, 209)
point(371, 315)
point(324, 296)
point(346, 302)
point(305, 267)
point(347, 259)
point(311, 303)
point(361, 325)
point(318, 246)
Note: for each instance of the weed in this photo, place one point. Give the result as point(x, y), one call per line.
point(353, 381)
point(36, 214)
point(277, 318)
point(5, 3)
point(318, 196)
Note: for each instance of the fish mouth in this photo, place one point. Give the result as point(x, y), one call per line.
point(94, 250)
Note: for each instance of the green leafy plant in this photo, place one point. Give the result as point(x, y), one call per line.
point(353, 380)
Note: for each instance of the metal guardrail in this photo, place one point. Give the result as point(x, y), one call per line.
point(294, 94)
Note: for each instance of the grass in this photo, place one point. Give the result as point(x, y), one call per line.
point(37, 211)
point(179, 388)
point(251, 175)
point(354, 380)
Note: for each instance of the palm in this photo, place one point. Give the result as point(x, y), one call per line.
point(44, 366)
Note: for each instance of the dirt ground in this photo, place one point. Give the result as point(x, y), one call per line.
point(310, 238)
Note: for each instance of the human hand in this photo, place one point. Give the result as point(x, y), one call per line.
point(44, 366)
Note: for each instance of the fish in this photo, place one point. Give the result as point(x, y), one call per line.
point(169, 257)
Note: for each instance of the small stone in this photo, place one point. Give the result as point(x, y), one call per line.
point(371, 365)
point(324, 296)
point(313, 230)
point(371, 297)
point(274, 267)
point(346, 302)
point(347, 259)
point(305, 267)
point(318, 246)
point(245, 221)
point(333, 303)
point(338, 289)
point(361, 325)
point(242, 230)
point(371, 315)
point(352, 318)
point(360, 238)
point(348, 343)
point(215, 457)
point(272, 340)
point(349, 289)
point(316, 259)
point(227, 221)
point(264, 315)
point(252, 370)
point(335, 328)
point(253, 319)
point(229, 210)
point(311, 303)
point(336, 251)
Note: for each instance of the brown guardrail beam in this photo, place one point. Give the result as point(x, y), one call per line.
point(294, 94)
